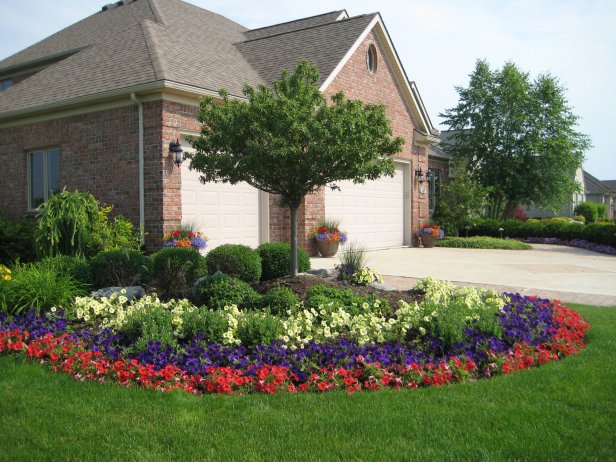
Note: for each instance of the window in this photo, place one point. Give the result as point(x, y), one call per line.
point(44, 167)
point(434, 183)
point(371, 60)
point(6, 84)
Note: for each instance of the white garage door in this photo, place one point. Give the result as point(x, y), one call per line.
point(372, 213)
point(228, 214)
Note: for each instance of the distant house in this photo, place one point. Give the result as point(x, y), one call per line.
point(593, 189)
point(600, 192)
point(96, 106)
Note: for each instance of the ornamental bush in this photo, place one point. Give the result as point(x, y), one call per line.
point(120, 268)
point(588, 210)
point(276, 260)
point(280, 299)
point(76, 267)
point(149, 324)
point(482, 242)
point(239, 261)
point(258, 329)
point(16, 240)
point(218, 291)
point(175, 270)
point(210, 324)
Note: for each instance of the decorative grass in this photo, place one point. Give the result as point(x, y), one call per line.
point(481, 242)
point(560, 411)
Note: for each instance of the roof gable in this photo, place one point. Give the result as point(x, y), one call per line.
point(324, 45)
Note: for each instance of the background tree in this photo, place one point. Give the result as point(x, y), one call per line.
point(287, 140)
point(517, 137)
point(460, 202)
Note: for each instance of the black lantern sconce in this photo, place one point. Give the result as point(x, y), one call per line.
point(175, 148)
point(420, 175)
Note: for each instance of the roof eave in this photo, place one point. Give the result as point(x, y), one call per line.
point(151, 87)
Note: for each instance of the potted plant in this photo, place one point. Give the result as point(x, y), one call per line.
point(428, 234)
point(328, 237)
point(186, 238)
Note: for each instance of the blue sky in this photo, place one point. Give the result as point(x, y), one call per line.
point(438, 42)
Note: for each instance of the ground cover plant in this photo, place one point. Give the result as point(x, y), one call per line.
point(482, 242)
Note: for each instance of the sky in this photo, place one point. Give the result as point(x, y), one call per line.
point(438, 42)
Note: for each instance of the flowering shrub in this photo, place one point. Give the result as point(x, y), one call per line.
point(184, 238)
point(434, 230)
point(361, 277)
point(329, 234)
point(5, 273)
point(579, 243)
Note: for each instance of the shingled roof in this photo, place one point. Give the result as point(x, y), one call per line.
point(147, 44)
point(593, 185)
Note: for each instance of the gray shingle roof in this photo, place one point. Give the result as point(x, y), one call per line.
point(324, 45)
point(147, 41)
point(610, 184)
point(298, 24)
point(593, 185)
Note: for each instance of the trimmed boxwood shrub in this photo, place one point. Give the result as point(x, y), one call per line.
point(236, 260)
point(78, 268)
point(276, 260)
point(219, 290)
point(120, 268)
point(279, 300)
point(571, 231)
point(175, 270)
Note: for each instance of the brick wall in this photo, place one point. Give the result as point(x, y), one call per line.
point(356, 82)
point(98, 154)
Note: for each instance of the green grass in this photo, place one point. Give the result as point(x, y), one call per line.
point(561, 411)
point(482, 242)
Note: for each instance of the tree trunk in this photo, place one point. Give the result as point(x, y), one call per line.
point(293, 265)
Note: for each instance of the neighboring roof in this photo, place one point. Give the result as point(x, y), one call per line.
point(138, 45)
point(610, 184)
point(435, 150)
point(593, 185)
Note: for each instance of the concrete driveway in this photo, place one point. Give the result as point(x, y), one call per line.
point(569, 274)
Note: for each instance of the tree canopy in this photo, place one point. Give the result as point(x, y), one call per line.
point(518, 137)
point(286, 139)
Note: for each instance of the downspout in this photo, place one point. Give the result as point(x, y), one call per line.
point(141, 169)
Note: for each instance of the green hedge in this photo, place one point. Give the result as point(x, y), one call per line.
point(276, 260)
point(599, 233)
point(239, 261)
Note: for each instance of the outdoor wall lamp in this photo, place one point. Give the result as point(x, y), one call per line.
point(420, 175)
point(175, 148)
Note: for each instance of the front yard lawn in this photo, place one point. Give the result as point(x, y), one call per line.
point(482, 242)
point(561, 411)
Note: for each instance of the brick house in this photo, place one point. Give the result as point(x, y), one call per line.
point(95, 107)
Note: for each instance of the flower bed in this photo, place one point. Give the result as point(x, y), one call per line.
point(579, 243)
point(499, 335)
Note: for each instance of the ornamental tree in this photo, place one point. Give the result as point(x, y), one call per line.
point(518, 137)
point(460, 202)
point(285, 139)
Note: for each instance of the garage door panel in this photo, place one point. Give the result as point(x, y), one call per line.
point(373, 212)
point(228, 214)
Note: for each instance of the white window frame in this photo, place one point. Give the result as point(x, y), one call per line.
point(45, 152)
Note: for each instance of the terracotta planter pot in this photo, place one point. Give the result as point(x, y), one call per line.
point(428, 240)
point(328, 249)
